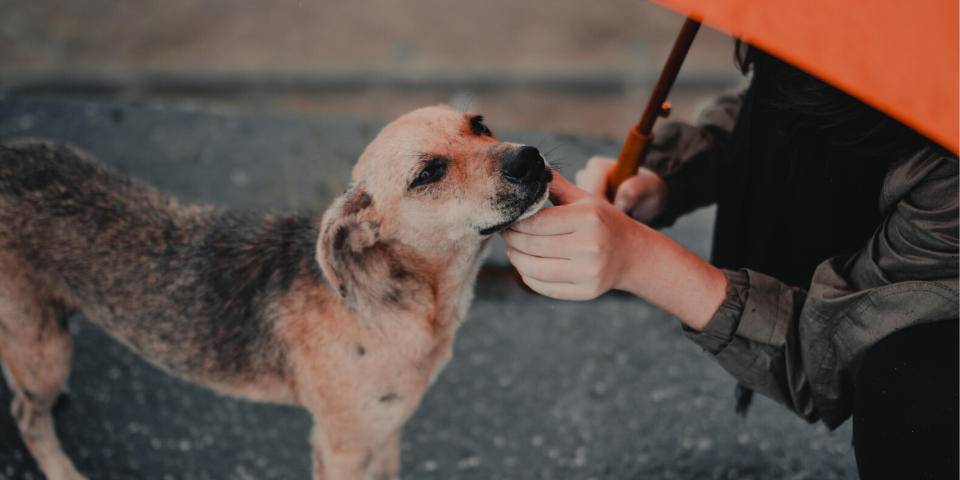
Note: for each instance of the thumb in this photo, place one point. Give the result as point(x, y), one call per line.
point(563, 192)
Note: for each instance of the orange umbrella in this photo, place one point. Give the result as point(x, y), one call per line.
point(902, 58)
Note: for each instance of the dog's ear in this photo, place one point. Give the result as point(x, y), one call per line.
point(348, 233)
point(366, 272)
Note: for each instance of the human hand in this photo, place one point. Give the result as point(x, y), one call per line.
point(642, 196)
point(576, 250)
point(584, 246)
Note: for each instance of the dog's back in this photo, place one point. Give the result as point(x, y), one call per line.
point(188, 286)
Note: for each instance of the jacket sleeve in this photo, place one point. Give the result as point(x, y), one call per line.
point(802, 347)
point(687, 157)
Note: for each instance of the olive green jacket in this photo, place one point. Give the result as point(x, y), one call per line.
point(802, 347)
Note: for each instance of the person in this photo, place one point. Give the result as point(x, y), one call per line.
point(833, 287)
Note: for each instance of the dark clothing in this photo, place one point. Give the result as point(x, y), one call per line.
point(905, 406)
point(793, 197)
point(855, 273)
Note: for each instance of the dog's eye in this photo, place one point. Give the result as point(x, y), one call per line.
point(476, 124)
point(431, 173)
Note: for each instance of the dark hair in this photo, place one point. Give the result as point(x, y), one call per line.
point(814, 107)
point(743, 56)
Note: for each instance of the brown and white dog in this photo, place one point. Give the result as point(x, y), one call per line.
point(351, 316)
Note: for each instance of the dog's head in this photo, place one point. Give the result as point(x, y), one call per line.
point(433, 181)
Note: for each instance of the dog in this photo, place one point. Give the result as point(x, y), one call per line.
point(350, 315)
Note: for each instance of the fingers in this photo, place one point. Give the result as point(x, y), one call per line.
point(593, 178)
point(561, 219)
point(560, 291)
point(642, 196)
point(547, 246)
point(555, 220)
point(563, 192)
point(557, 277)
point(549, 221)
point(543, 269)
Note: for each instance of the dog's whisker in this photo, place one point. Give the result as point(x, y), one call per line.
point(544, 139)
point(465, 100)
point(557, 163)
point(563, 144)
point(473, 93)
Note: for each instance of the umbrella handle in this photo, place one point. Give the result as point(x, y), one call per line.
point(631, 158)
point(638, 140)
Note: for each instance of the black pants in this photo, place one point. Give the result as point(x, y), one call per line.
point(905, 422)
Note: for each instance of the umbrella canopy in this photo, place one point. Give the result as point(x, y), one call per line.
point(902, 58)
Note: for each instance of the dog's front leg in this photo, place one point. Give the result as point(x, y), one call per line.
point(386, 461)
point(352, 455)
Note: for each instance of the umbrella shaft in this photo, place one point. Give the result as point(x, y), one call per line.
point(668, 75)
point(638, 140)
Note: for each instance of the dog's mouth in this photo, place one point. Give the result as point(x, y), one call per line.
point(528, 205)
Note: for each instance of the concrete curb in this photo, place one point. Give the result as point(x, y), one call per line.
point(79, 81)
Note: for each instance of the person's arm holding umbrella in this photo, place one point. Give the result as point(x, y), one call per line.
point(679, 176)
point(840, 181)
point(770, 336)
point(851, 322)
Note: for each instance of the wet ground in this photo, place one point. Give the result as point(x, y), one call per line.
point(537, 388)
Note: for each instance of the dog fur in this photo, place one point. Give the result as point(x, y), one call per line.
point(351, 316)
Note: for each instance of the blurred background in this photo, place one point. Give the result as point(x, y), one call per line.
point(563, 66)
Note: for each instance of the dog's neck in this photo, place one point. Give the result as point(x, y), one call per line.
point(456, 275)
point(394, 280)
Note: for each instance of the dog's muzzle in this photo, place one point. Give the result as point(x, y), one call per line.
point(528, 173)
point(524, 168)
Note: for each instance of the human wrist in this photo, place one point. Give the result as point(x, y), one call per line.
point(674, 279)
point(643, 247)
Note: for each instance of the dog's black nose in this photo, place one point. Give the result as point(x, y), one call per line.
point(525, 166)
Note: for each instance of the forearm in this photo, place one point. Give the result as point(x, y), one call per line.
point(673, 278)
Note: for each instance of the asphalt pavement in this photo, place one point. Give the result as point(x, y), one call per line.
point(537, 388)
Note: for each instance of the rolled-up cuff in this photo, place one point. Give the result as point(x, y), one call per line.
point(719, 331)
